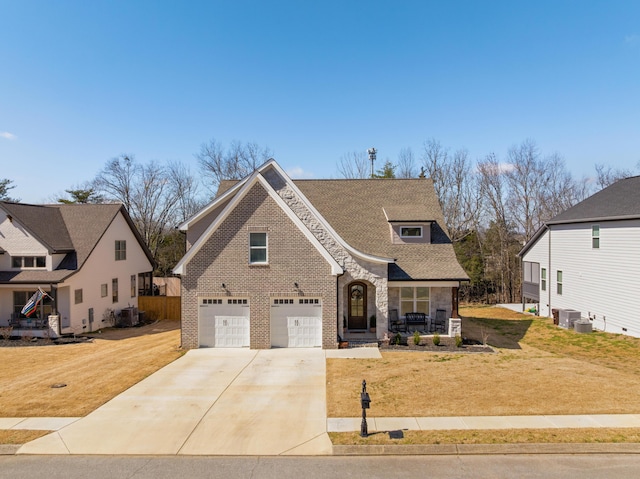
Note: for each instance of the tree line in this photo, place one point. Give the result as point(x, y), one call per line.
point(491, 205)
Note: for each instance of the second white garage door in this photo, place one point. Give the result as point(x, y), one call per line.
point(223, 323)
point(296, 322)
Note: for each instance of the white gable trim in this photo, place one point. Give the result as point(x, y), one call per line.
point(325, 224)
point(252, 180)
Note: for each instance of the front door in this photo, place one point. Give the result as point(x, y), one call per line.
point(357, 306)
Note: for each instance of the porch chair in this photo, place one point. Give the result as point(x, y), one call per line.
point(14, 320)
point(440, 321)
point(395, 323)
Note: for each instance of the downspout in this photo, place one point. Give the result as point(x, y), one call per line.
point(549, 275)
point(337, 305)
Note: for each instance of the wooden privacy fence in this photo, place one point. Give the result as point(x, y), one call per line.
point(160, 307)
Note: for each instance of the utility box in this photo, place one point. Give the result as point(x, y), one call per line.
point(128, 317)
point(583, 326)
point(568, 317)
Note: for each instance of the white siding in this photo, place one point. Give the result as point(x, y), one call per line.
point(16, 241)
point(601, 282)
point(101, 267)
point(539, 253)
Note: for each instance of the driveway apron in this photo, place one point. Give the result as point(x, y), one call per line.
point(210, 402)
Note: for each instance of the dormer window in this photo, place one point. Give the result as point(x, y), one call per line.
point(411, 232)
point(26, 262)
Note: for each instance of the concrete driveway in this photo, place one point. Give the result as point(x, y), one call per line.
point(210, 402)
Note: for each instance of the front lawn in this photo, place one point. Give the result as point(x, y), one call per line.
point(537, 369)
point(93, 372)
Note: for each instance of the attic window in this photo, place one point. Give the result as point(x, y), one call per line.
point(29, 262)
point(411, 232)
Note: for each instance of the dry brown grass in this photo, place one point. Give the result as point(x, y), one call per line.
point(93, 372)
point(498, 436)
point(537, 369)
point(19, 436)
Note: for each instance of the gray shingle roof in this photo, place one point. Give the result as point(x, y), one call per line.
point(354, 208)
point(43, 222)
point(620, 200)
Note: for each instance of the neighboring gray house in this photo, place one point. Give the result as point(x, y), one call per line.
point(588, 259)
point(273, 262)
point(89, 259)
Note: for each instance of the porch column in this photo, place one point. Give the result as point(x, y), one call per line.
point(454, 303)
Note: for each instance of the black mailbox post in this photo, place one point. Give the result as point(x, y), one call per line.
point(365, 402)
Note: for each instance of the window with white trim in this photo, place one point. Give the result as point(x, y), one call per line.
point(559, 282)
point(28, 262)
point(543, 279)
point(414, 300)
point(133, 286)
point(258, 248)
point(121, 250)
point(411, 232)
point(595, 236)
point(78, 296)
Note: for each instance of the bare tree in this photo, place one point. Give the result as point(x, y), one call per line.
point(234, 163)
point(354, 165)
point(435, 161)
point(406, 166)
point(605, 175)
point(456, 186)
point(526, 180)
point(187, 190)
point(156, 196)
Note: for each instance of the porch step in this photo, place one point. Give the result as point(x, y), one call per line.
point(362, 343)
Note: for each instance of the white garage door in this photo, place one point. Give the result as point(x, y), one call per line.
point(296, 322)
point(223, 323)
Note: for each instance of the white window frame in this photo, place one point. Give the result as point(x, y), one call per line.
point(559, 282)
point(23, 260)
point(595, 236)
point(543, 279)
point(402, 227)
point(121, 250)
point(257, 248)
point(415, 299)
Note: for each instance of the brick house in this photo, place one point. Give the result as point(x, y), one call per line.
point(273, 262)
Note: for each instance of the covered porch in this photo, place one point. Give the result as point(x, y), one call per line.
point(428, 307)
point(42, 322)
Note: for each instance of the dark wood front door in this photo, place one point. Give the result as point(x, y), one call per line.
point(357, 306)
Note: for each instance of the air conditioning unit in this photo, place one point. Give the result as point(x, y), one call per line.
point(568, 317)
point(128, 317)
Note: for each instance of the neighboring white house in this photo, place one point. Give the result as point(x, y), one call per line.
point(588, 259)
point(88, 258)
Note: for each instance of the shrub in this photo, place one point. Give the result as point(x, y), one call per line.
point(416, 338)
point(458, 341)
point(436, 339)
point(6, 332)
point(397, 339)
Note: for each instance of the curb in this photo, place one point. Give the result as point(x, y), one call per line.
point(486, 449)
point(9, 449)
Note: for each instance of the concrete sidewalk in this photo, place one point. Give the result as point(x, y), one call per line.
point(349, 424)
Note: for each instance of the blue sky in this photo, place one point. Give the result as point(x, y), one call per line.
point(82, 82)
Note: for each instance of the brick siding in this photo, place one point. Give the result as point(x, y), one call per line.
point(225, 259)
